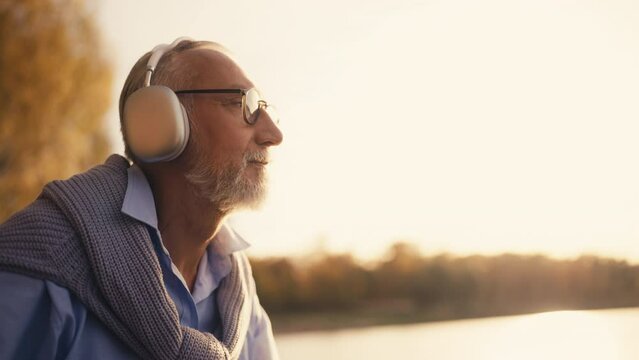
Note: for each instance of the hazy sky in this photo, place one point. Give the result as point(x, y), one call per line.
point(462, 126)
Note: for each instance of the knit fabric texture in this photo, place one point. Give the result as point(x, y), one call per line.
point(75, 235)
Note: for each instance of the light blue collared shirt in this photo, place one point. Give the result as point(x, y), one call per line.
point(41, 320)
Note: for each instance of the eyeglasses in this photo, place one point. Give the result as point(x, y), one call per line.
point(252, 102)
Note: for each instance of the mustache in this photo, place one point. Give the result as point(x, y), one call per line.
point(257, 156)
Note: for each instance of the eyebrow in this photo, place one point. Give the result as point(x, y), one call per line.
point(238, 86)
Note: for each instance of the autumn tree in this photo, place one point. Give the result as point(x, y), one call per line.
point(55, 86)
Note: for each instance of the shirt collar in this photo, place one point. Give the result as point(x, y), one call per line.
point(138, 199)
point(216, 262)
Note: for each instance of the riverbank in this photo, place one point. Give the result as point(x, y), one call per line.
point(326, 321)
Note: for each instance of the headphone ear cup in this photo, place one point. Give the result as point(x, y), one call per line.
point(156, 124)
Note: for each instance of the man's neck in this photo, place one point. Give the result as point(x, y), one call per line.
point(187, 223)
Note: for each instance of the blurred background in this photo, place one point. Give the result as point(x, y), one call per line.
point(458, 178)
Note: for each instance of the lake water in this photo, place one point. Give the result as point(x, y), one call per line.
point(584, 335)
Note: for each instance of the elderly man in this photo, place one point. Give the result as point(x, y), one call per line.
point(126, 262)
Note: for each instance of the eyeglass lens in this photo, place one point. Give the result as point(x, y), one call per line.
point(255, 105)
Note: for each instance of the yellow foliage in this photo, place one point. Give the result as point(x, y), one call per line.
point(54, 92)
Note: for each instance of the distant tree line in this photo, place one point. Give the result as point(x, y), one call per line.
point(443, 287)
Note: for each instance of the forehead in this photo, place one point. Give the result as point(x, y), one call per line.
point(209, 68)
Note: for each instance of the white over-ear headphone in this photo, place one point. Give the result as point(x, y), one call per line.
point(155, 122)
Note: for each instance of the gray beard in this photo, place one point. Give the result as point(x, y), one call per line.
point(226, 186)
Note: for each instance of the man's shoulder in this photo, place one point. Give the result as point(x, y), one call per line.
point(34, 241)
point(36, 227)
point(47, 211)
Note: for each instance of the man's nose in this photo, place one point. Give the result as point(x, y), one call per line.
point(268, 133)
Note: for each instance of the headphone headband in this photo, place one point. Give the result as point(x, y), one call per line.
point(156, 55)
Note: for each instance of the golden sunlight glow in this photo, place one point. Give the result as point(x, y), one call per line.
point(462, 126)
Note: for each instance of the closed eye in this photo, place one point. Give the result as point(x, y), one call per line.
point(233, 103)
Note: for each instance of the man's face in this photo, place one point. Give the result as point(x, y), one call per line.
point(227, 157)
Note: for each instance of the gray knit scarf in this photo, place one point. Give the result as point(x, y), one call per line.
point(76, 235)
